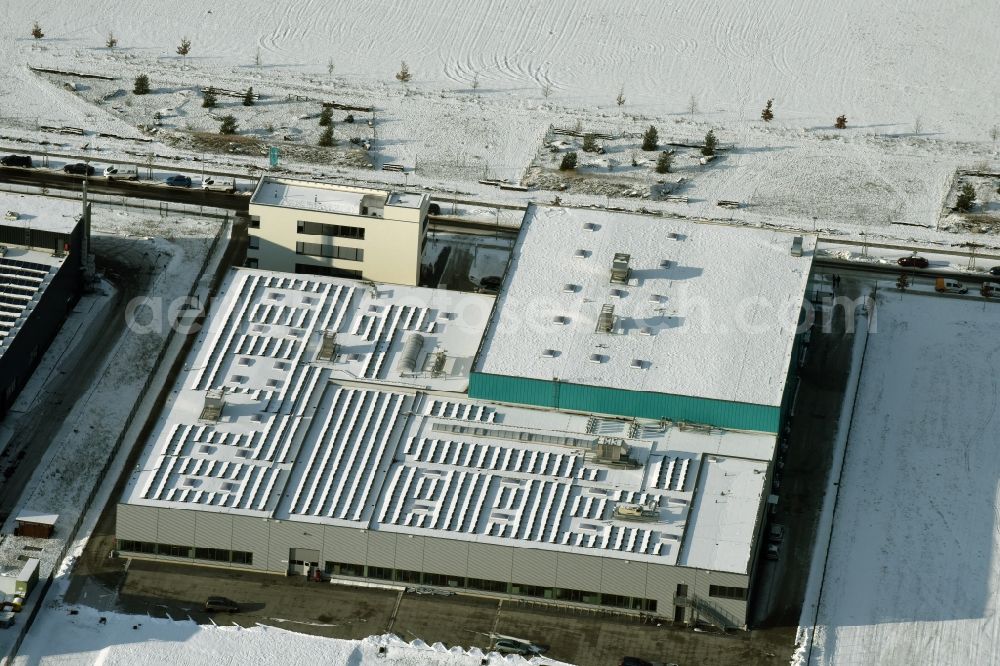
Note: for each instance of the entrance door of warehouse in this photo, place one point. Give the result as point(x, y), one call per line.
point(302, 560)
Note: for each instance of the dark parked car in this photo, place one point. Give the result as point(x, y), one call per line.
point(511, 646)
point(491, 283)
point(995, 271)
point(912, 262)
point(179, 181)
point(634, 661)
point(79, 169)
point(16, 161)
point(213, 604)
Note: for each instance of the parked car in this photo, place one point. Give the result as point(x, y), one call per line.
point(179, 181)
point(990, 290)
point(221, 604)
point(772, 551)
point(913, 261)
point(948, 286)
point(776, 533)
point(511, 646)
point(634, 661)
point(23, 161)
point(218, 184)
point(491, 283)
point(124, 172)
point(79, 169)
point(995, 271)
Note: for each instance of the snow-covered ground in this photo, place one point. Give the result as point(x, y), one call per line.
point(92, 637)
point(913, 573)
point(489, 78)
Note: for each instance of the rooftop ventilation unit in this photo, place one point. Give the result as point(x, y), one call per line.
point(328, 348)
point(647, 511)
point(637, 364)
point(215, 400)
point(581, 254)
point(411, 350)
point(619, 268)
point(665, 263)
point(597, 358)
point(562, 320)
point(614, 452)
point(437, 366)
point(797, 246)
point(606, 320)
point(550, 353)
point(647, 330)
point(590, 226)
point(569, 288)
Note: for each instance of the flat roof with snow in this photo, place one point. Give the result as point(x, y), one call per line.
point(330, 198)
point(702, 310)
point(37, 212)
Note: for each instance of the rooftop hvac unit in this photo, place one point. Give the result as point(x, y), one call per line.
point(328, 348)
point(215, 400)
point(606, 320)
point(411, 350)
point(437, 367)
point(619, 268)
point(649, 510)
point(613, 451)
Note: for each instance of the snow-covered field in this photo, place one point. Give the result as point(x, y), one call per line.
point(913, 573)
point(490, 77)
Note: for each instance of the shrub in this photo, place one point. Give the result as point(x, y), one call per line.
point(326, 116)
point(141, 85)
point(248, 97)
point(349, 118)
point(710, 143)
point(663, 162)
point(209, 98)
point(650, 138)
point(36, 31)
point(326, 138)
point(966, 197)
point(841, 122)
point(568, 162)
point(767, 114)
point(112, 41)
point(403, 75)
point(589, 143)
point(185, 47)
point(228, 125)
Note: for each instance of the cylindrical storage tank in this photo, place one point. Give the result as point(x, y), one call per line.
point(411, 350)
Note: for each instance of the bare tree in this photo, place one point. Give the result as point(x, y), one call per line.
point(36, 31)
point(995, 133)
point(329, 67)
point(620, 100)
point(546, 89)
point(475, 80)
point(692, 105)
point(403, 75)
point(918, 125)
point(256, 59)
point(112, 41)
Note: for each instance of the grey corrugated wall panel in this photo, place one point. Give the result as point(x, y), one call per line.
point(490, 562)
point(175, 526)
point(286, 535)
point(409, 552)
point(579, 572)
point(534, 567)
point(446, 556)
point(735, 609)
point(623, 577)
point(136, 523)
point(252, 534)
point(213, 530)
point(381, 549)
point(345, 544)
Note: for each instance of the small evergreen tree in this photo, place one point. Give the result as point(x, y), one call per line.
point(966, 197)
point(36, 31)
point(184, 48)
point(209, 98)
point(141, 85)
point(349, 118)
point(710, 143)
point(248, 97)
point(112, 41)
point(841, 122)
point(767, 114)
point(326, 138)
point(568, 162)
point(228, 125)
point(326, 116)
point(650, 138)
point(664, 162)
point(589, 143)
point(403, 75)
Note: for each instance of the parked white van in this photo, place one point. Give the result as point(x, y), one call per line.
point(122, 172)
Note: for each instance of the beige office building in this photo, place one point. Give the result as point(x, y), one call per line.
point(299, 226)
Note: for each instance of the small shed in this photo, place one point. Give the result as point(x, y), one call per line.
point(35, 524)
point(21, 582)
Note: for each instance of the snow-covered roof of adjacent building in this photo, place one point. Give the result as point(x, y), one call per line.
point(30, 211)
point(329, 198)
point(24, 276)
point(298, 438)
point(705, 310)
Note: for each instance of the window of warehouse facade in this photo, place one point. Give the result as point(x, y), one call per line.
point(739, 593)
point(344, 569)
point(170, 550)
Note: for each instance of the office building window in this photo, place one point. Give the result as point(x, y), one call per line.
point(335, 230)
point(329, 251)
point(254, 222)
point(254, 242)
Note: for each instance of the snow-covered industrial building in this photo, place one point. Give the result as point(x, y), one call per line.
point(325, 423)
point(40, 281)
point(647, 317)
point(299, 226)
